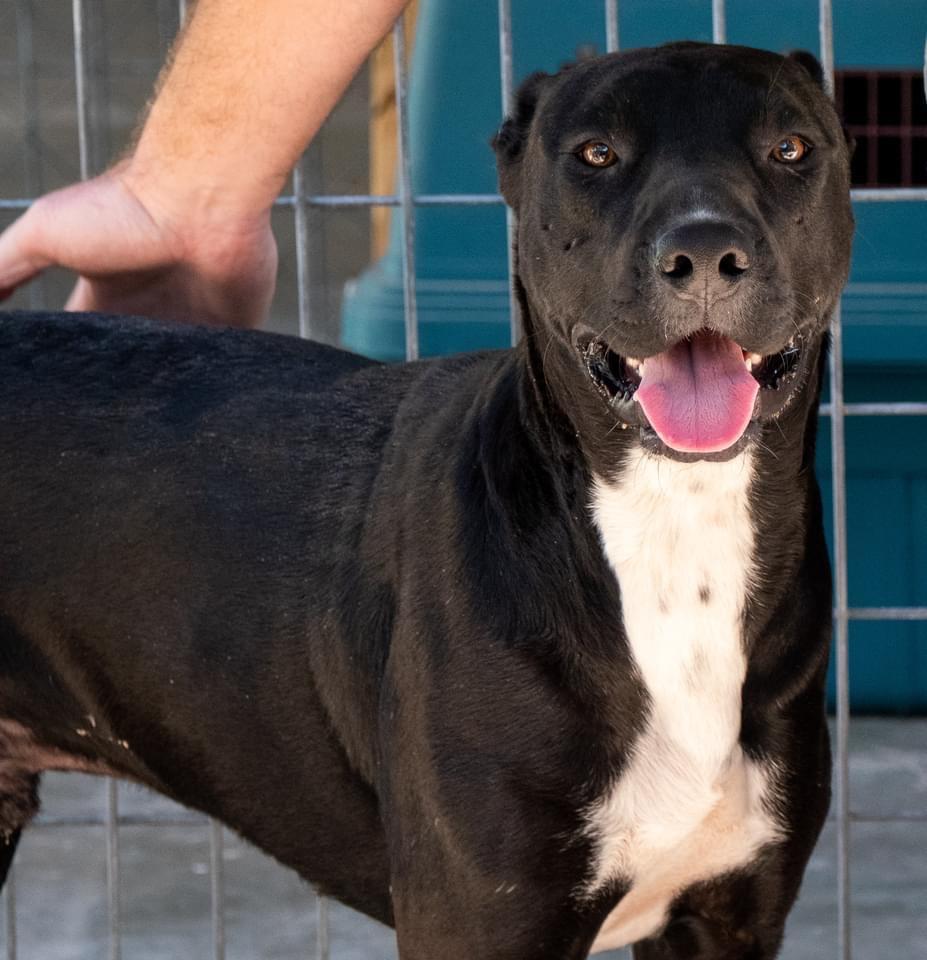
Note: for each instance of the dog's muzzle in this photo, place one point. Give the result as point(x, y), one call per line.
point(698, 396)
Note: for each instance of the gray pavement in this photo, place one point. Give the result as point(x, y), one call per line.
point(269, 913)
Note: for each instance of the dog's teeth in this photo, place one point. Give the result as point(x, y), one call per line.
point(753, 360)
point(633, 363)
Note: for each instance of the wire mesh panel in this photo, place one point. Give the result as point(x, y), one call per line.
point(303, 219)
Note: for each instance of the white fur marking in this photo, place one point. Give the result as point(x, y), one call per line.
point(689, 805)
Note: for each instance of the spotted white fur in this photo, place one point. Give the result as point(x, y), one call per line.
point(689, 805)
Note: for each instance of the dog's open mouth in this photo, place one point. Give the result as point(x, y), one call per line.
point(700, 395)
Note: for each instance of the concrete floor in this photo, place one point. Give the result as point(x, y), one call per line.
point(165, 900)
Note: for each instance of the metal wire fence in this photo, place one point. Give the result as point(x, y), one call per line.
point(301, 202)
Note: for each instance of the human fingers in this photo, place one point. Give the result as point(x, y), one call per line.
point(23, 253)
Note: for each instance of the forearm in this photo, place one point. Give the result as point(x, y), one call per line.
point(180, 229)
point(250, 83)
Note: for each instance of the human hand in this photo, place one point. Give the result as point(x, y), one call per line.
point(181, 229)
point(138, 250)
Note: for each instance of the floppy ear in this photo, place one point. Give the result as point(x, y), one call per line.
point(509, 143)
point(810, 62)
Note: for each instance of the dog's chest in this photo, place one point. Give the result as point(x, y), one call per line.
point(688, 805)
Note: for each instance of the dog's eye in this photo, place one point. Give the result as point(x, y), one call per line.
point(790, 150)
point(597, 153)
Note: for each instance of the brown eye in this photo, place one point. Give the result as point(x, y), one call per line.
point(790, 150)
point(596, 153)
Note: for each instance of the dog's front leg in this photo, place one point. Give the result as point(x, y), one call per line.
point(700, 941)
point(485, 919)
point(695, 938)
point(459, 898)
point(484, 865)
point(738, 917)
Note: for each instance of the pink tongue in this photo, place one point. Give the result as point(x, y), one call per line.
point(698, 395)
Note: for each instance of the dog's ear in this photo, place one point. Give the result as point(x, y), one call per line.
point(509, 142)
point(811, 63)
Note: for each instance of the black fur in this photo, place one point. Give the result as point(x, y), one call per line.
point(360, 613)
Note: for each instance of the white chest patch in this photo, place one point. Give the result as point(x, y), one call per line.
point(689, 805)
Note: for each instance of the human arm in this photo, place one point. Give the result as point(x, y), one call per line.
point(180, 228)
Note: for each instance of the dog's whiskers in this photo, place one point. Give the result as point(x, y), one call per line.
point(767, 448)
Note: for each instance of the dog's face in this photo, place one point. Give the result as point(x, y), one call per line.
point(684, 232)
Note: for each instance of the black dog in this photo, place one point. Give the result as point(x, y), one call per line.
point(522, 652)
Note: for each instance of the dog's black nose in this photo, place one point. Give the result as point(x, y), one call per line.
point(703, 260)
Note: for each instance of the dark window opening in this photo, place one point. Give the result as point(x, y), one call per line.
point(885, 112)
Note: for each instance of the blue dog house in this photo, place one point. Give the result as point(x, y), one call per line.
point(461, 258)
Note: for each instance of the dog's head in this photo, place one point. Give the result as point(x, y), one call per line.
point(684, 231)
